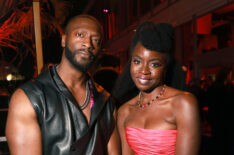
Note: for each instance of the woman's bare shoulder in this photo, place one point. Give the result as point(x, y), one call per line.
point(182, 100)
point(179, 94)
point(125, 109)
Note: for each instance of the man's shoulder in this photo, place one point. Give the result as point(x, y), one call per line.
point(100, 89)
point(41, 78)
point(104, 97)
point(36, 85)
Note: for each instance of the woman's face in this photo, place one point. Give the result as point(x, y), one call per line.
point(147, 68)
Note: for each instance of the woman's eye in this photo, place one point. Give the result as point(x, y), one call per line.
point(155, 64)
point(135, 61)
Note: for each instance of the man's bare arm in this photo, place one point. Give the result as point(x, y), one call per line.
point(114, 142)
point(22, 130)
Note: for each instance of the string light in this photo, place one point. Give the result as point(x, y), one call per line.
point(105, 10)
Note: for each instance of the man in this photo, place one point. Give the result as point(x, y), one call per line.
point(62, 111)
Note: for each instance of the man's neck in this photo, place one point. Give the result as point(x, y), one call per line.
point(71, 76)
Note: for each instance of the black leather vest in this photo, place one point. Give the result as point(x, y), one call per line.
point(63, 126)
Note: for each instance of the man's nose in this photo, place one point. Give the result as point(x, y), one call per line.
point(87, 42)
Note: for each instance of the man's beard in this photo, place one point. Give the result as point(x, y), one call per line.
point(71, 58)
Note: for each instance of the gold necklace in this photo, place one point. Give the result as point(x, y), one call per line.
point(150, 102)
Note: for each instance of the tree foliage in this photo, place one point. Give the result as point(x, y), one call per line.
point(17, 29)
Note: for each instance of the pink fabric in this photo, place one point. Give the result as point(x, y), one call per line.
point(148, 142)
point(92, 99)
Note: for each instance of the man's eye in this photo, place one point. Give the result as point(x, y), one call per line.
point(79, 34)
point(96, 41)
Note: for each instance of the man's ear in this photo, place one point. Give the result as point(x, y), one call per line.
point(63, 41)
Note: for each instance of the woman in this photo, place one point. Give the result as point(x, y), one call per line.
point(159, 119)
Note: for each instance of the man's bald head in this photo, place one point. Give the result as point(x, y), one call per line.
point(93, 19)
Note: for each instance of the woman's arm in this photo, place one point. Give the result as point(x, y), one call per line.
point(188, 125)
point(122, 114)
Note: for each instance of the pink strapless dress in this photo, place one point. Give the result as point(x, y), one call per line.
point(147, 141)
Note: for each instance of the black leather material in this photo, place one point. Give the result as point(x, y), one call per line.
point(63, 126)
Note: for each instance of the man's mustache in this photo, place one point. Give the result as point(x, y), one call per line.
point(83, 50)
